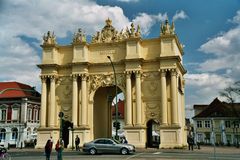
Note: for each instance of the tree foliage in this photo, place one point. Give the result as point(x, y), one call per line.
point(231, 93)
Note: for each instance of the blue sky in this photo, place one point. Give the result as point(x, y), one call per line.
point(209, 30)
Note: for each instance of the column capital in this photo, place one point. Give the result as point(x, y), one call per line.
point(174, 72)
point(74, 77)
point(163, 72)
point(43, 78)
point(84, 76)
point(137, 73)
point(52, 78)
point(128, 74)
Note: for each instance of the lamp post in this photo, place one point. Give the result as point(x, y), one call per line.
point(60, 115)
point(235, 129)
point(116, 105)
point(213, 136)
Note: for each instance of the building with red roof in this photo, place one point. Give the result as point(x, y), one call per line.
point(19, 114)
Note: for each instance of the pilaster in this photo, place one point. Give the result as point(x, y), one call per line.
point(128, 98)
point(74, 100)
point(164, 97)
point(174, 96)
point(43, 102)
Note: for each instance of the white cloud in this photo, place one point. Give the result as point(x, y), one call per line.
point(203, 88)
point(225, 48)
point(179, 15)
point(236, 19)
point(146, 21)
point(32, 19)
point(226, 44)
point(207, 80)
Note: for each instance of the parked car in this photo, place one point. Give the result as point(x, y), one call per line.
point(107, 145)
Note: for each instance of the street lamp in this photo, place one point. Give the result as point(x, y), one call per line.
point(116, 105)
point(235, 128)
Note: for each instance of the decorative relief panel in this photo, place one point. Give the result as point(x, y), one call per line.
point(100, 80)
point(152, 111)
point(151, 84)
point(64, 95)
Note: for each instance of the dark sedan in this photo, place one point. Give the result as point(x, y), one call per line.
point(107, 145)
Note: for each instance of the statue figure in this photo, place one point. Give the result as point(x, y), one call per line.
point(166, 28)
point(132, 30)
point(49, 39)
point(138, 32)
point(79, 37)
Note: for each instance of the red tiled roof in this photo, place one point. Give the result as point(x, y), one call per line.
point(220, 109)
point(16, 90)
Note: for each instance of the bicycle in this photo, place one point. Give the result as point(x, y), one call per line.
point(3, 154)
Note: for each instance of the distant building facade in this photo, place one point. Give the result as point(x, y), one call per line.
point(217, 123)
point(19, 114)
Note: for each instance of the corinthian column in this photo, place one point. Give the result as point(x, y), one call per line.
point(52, 102)
point(74, 100)
point(164, 97)
point(128, 99)
point(174, 96)
point(43, 103)
point(138, 98)
point(84, 99)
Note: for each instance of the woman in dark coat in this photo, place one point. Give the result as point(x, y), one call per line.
point(48, 149)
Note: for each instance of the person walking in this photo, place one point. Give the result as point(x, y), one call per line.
point(124, 140)
point(59, 148)
point(77, 142)
point(190, 142)
point(48, 149)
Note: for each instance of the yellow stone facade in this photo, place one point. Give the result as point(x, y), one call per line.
point(78, 78)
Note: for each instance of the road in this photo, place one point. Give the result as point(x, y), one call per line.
point(152, 154)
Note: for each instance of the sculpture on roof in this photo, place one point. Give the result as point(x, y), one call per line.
point(49, 39)
point(79, 37)
point(166, 29)
point(110, 34)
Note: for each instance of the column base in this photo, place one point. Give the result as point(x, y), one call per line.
point(172, 136)
point(44, 134)
point(136, 135)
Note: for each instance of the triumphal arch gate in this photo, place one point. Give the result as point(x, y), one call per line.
point(78, 79)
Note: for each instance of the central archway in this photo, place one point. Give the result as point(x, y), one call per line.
point(102, 111)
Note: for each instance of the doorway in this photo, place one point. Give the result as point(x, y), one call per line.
point(102, 111)
point(153, 138)
point(65, 132)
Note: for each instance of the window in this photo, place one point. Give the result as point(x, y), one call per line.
point(207, 124)
point(15, 114)
point(108, 142)
point(29, 114)
point(9, 115)
point(2, 134)
point(227, 124)
point(14, 133)
point(3, 115)
point(199, 124)
point(199, 137)
point(101, 141)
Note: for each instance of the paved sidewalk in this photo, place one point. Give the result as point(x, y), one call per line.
point(204, 149)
